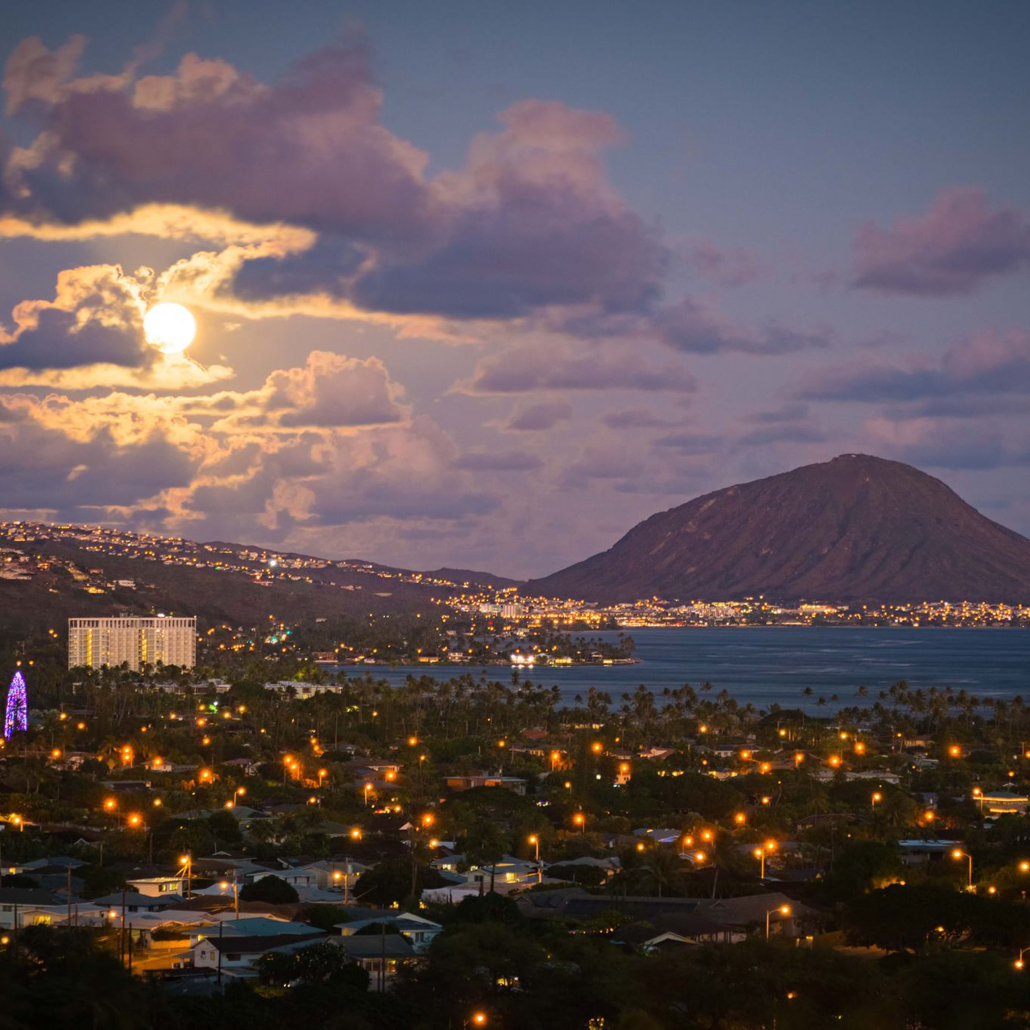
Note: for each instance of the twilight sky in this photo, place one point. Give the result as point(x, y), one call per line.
point(484, 284)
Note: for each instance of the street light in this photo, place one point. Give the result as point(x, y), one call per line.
point(784, 910)
point(877, 796)
point(535, 841)
point(580, 820)
point(368, 790)
point(761, 852)
point(1019, 961)
point(958, 854)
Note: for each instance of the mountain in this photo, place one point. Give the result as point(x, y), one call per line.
point(852, 529)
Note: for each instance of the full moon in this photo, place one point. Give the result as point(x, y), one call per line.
point(169, 326)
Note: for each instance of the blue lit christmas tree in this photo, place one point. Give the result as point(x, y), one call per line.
point(16, 715)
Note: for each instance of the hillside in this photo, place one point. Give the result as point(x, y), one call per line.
point(48, 573)
point(851, 529)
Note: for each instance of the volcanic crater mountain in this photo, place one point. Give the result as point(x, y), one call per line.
point(855, 528)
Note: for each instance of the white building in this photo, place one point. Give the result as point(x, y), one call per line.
point(170, 640)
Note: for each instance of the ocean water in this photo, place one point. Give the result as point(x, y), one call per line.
point(776, 664)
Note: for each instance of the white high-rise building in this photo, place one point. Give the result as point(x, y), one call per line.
point(170, 640)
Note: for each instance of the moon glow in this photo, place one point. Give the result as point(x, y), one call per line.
point(170, 327)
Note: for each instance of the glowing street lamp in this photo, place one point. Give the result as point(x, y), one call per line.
point(784, 910)
point(740, 818)
point(535, 841)
point(135, 821)
point(1019, 961)
point(959, 854)
point(761, 852)
point(877, 796)
point(367, 789)
point(580, 820)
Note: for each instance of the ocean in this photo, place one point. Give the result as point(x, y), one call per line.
point(776, 664)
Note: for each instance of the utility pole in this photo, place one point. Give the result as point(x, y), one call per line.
point(121, 937)
point(68, 889)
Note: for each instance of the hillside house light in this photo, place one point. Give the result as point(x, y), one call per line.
point(955, 751)
point(740, 818)
point(859, 748)
point(766, 800)
point(110, 804)
point(835, 761)
point(597, 747)
point(1024, 866)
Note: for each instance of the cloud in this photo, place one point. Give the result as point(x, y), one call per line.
point(95, 318)
point(58, 456)
point(498, 461)
point(984, 364)
point(307, 150)
point(530, 221)
point(402, 473)
point(941, 443)
point(690, 443)
point(782, 432)
point(539, 417)
point(957, 246)
point(690, 326)
point(528, 368)
point(634, 418)
point(730, 267)
point(333, 390)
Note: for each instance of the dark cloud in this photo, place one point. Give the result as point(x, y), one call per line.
point(688, 326)
point(538, 417)
point(954, 248)
point(783, 432)
point(690, 443)
point(307, 150)
point(498, 461)
point(983, 364)
point(43, 468)
point(786, 413)
point(634, 418)
point(523, 369)
point(326, 267)
point(59, 341)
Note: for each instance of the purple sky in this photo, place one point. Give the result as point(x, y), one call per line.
point(484, 285)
